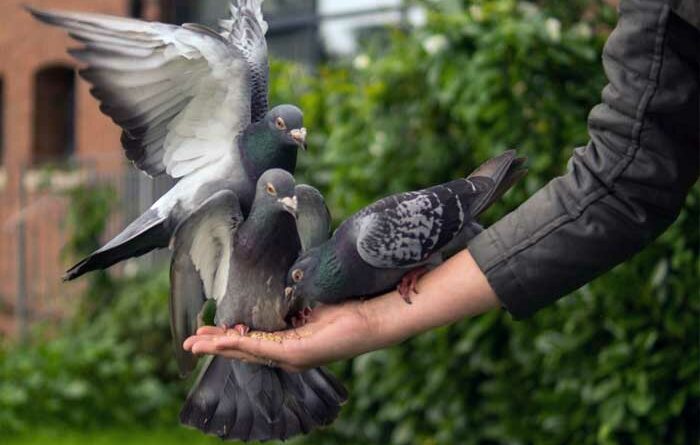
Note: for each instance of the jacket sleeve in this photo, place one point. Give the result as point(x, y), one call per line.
point(627, 185)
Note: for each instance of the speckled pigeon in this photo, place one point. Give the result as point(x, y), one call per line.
point(393, 240)
point(242, 265)
point(192, 103)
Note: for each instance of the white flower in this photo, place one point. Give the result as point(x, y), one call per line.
point(361, 62)
point(553, 28)
point(476, 13)
point(435, 43)
point(376, 148)
point(583, 30)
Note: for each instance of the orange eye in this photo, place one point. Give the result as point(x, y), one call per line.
point(297, 275)
point(271, 189)
point(279, 122)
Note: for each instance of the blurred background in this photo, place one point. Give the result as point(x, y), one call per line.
point(397, 95)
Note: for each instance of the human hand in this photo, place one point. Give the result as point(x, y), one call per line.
point(454, 290)
point(333, 332)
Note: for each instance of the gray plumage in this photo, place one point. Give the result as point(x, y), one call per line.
point(313, 217)
point(192, 104)
point(242, 265)
point(373, 249)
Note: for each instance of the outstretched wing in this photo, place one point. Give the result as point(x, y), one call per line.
point(246, 29)
point(404, 230)
point(313, 217)
point(199, 268)
point(181, 94)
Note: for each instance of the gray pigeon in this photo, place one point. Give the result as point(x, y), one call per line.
point(192, 104)
point(393, 240)
point(242, 265)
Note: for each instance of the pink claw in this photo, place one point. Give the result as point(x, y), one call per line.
point(302, 317)
point(408, 283)
point(242, 329)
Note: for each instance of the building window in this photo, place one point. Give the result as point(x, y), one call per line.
point(54, 114)
point(136, 8)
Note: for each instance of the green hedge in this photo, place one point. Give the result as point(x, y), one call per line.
point(616, 362)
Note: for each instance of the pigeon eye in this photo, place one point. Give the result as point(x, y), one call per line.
point(279, 122)
point(271, 189)
point(297, 275)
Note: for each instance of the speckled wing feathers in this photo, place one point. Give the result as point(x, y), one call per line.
point(406, 229)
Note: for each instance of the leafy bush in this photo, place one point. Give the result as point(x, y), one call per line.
point(617, 362)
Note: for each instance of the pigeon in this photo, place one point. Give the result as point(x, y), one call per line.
point(192, 103)
point(242, 264)
point(393, 241)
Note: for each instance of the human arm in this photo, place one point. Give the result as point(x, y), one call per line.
point(455, 290)
point(627, 185)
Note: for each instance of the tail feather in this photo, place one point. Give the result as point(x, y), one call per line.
point(504, 170)
point(240, 401)
point(147, 232)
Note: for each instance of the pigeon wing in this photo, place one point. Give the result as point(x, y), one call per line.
point(180, 93)
point(404, 230)
point(246, 29)
point(199, 268)
point(313, 217)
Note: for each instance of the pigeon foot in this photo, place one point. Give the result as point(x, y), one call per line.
point(408, 283)
point(302, 317)
point(242, 329)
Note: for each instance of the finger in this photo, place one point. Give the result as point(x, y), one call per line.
point(189, 341)
point(210, 330)
point(276, 351)
point(213, 347)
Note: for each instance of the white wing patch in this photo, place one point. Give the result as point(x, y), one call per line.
point(181, 94)
point(211, 254)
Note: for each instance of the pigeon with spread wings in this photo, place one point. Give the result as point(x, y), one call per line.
point(192, 103)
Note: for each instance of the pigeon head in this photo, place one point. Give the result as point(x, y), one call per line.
point(287, 124)
point(316, 274)
point(276, 188)
point(301, 276)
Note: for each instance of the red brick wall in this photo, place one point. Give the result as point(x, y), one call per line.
point(26, 46)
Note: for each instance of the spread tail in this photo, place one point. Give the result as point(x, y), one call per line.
point(504, 170)
point(147, 232)
point(240, 401)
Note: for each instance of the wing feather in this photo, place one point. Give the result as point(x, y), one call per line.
point(170, 88)
point(199, 267)
point(406, 229)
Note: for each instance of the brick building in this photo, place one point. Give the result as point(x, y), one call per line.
point(48, 119)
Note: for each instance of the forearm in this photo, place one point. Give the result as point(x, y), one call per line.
point(453, 291)
point(624, 188)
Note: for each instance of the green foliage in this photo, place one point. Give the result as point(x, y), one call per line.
point(615, 363)
point(88, 214)
point(114, 369)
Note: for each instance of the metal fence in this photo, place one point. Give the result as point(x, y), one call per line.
point(33, 233)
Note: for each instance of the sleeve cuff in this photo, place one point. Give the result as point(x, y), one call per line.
point(489, 254)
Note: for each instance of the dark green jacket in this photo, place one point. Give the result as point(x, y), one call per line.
point(628, 184)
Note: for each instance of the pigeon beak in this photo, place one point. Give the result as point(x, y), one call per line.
point(299, 135)
point(289, 204)
point(289, 293)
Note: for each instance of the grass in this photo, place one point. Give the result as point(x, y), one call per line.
point(175, 436)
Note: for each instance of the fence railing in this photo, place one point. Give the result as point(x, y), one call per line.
point(33, 233)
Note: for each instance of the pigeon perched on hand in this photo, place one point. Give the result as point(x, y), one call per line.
point(192, 104)
point(242, 264)
point(393, 240)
